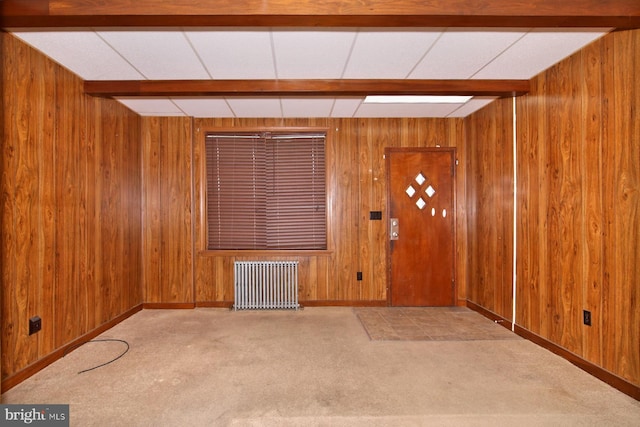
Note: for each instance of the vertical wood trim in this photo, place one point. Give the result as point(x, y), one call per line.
point(2, 186)
point(514, 240)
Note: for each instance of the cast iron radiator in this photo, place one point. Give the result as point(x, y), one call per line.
point(265, 285)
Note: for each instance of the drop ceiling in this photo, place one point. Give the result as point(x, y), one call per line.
point(239, 53)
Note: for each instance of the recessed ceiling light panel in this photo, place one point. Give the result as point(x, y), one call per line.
point(415, 99)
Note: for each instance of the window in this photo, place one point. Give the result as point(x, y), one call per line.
point(265, 191)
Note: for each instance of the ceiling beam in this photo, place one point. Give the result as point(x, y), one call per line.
point(327, 88)
point(327, 13)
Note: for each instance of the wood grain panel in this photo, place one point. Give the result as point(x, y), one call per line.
point(67, 196)
point(564, 213)
point(456, 132)
point(111, 236)
point(621, 302)
point(489, 200)
point(167, 210)
point(70, 208)
point(13, 297)
point(527, 179)
point(132, 203)
point(578, 205)
point(594, 65)
point(151, 210)
point(377, 230)
point(177, 220)
point(344, 190)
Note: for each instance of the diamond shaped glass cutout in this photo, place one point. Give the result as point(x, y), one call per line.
point(410, 191)
point(420, 179)
point(430, 191)
point(421, 203)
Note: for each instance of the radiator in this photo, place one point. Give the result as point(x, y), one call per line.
point(264, 285)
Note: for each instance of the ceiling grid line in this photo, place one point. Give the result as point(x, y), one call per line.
point(344, 70)
point(478, 71)
point(273, 54)
point(429, 49)
point(348, 59)
point(124, 58)
point(233, 112)
point(197, 54)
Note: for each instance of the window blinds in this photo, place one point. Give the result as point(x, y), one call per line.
point(266, 191)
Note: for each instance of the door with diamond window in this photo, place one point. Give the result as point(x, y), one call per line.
point(421, 216)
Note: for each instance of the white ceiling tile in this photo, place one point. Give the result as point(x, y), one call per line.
point(157, 54)
point(234, 54)
point(345, 107)
point(306, 107)
point(248, 53)
point(537, 51)
point(319, 54)
point(471, 106)
point(381, 54)
point(82, 52)
point(406, 110)
point(152, 106)
point(460, 54)
point(204, 107)
point(255, 107)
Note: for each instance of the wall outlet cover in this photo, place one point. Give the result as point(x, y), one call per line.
point(35, 324)
point(586, 317)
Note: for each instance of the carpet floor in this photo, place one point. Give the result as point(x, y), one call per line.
point(320, 366)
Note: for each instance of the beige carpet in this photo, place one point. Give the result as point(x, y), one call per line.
point(315, 367)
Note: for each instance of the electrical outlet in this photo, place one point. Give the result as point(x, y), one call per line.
point(586, 317)
point(35, 324)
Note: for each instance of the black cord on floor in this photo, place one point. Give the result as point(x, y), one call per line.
point(68, 349)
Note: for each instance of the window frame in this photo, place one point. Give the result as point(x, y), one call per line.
point(203, 234)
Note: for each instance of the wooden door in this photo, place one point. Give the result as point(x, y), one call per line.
point(421, 226)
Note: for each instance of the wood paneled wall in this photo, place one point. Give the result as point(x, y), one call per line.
point(489, 146)
point(70, 196)
point(578, 205)
point(167, 210)
point(356, 179)
point(580, 148)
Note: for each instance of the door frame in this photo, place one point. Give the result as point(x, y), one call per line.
point(454, 163)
